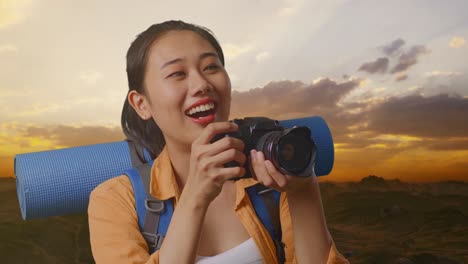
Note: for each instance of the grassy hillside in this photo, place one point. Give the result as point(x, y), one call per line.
point(399, 223)
point(372, 221)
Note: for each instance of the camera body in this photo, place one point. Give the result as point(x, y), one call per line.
point(292, 151)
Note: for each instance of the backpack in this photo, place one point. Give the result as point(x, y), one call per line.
point(154, 215)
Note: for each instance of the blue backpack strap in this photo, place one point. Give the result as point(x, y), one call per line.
point(139, 193)
point(266, 204)
point(166, 217)
point(154, 215)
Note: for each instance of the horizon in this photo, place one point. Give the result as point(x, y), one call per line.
point(323, 179)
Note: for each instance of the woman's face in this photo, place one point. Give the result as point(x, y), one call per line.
point(183, 70)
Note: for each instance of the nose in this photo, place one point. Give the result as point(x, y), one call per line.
point(199, 84)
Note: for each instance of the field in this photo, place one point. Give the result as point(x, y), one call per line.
point(371, 221)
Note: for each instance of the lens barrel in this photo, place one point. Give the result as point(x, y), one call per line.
point(292, 150)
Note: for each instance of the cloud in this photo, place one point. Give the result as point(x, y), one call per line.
point(39, 109)
point(20, 138)
point(8, 48)
point(409, 58)
point(435, 116)
point(405, 60)
point(380, 89)
point(401, 77)
point(232, 51)
point(442, 73)
point(448, 144)
point(69, 136)
point(457, 42)
point(357, 124)
point(415, 121)
point(450, 82)
point(294, 99)
point(288, 99)
point(393, 48)
point(13, 11)
point(380, 65)
point(415, 88)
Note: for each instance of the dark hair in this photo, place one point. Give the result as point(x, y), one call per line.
point(146, 132)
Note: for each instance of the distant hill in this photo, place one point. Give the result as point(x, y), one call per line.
point(376, 183)
point(371, 221)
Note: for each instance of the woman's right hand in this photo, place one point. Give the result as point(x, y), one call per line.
point(207, 173)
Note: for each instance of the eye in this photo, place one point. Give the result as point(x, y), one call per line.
point(176, 74)
point(212, 67)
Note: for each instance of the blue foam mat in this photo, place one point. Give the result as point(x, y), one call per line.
point(58, 182)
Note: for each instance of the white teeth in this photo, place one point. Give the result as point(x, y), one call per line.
point(201, 108)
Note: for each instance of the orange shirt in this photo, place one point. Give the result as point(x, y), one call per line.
point(113, 223)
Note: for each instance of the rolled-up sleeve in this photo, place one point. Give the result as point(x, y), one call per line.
point(113, 225)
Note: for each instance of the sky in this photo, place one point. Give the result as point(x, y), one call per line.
point(390, 78)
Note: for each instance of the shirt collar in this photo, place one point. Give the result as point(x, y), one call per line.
point(163, 184)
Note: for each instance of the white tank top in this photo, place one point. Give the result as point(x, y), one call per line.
point(245, 253)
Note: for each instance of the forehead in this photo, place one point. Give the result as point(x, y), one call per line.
point(177, 44)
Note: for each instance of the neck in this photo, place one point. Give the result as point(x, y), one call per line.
point(180, 159)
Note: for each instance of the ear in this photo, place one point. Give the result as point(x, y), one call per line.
point(140, 103)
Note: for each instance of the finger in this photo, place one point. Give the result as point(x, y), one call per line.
point(215, 128)
point(252, 164)
point(224, 144)
point(280, 179)
point(227, 156)
point(260, 170)
point(232, 172)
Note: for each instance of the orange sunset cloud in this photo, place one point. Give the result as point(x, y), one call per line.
point(394, 137)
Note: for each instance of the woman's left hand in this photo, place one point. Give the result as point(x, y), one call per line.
point(266, 173)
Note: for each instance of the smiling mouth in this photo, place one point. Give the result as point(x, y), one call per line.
point(202, 114)
point(202, 111)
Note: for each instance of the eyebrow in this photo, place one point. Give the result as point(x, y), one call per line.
point(202, 56)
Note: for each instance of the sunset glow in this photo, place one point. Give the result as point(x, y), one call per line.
point(395, 97)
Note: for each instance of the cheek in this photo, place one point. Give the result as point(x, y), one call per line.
point(170, 101)
point(166, 109)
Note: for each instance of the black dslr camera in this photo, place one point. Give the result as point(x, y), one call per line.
point(291, 150)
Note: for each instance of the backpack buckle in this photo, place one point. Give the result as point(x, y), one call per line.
point(154, 241)
point(154, 206)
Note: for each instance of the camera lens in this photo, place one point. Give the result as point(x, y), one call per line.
point(290, 150)
point(293, 152)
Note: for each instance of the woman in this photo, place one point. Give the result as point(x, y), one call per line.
point(179, 98)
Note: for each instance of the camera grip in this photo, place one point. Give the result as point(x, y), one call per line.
point(217, 137)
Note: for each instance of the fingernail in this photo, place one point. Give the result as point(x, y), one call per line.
point(252, 153)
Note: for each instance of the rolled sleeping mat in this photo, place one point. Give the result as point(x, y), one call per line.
point(59, 182)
